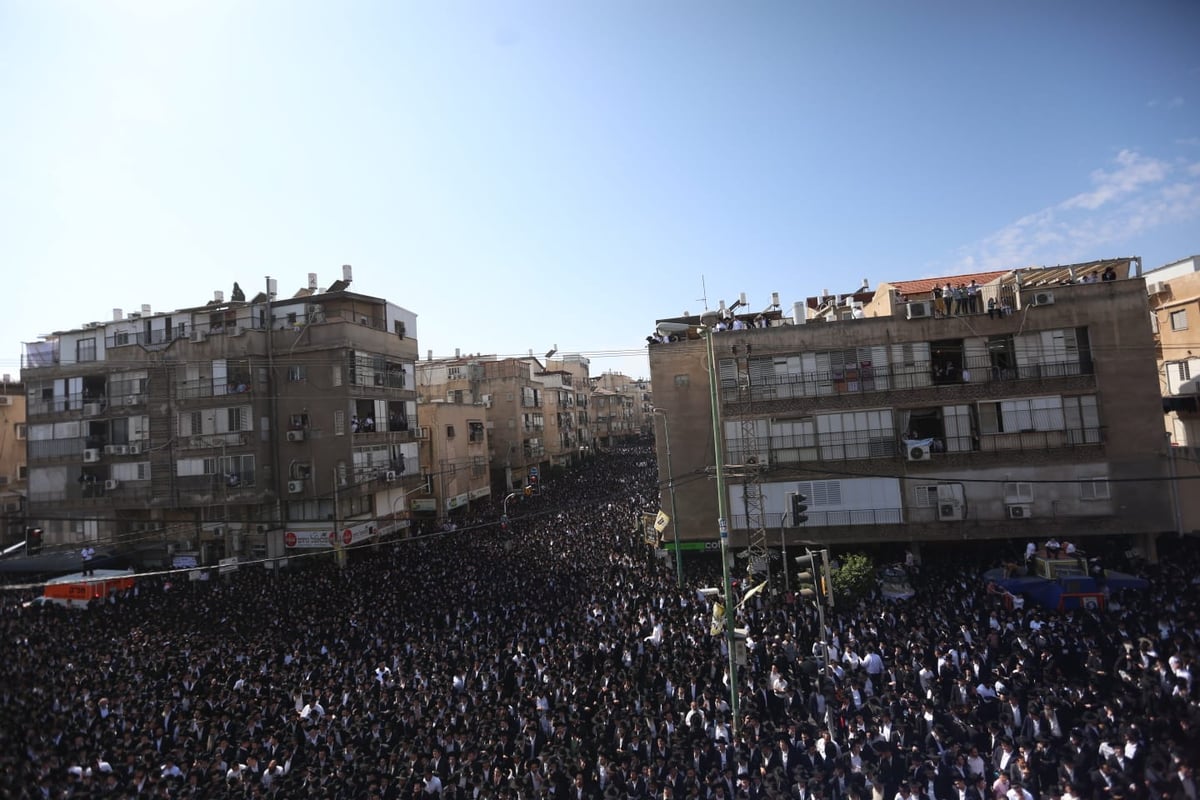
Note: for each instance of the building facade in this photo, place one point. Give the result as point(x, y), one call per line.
point(13, 469)
point(454, 459)
point(621, 408)
point(238, 428)
point(908, 427)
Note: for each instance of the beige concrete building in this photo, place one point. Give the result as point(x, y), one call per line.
point(242, 427)
point(572, 418)
point(454, 459)
point(511, 393)
point(1174, 292)
point(915, 427)
point(621, 408)
point(13, 469)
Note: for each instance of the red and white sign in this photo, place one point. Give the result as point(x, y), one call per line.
point(347, 536)
point(289, 539)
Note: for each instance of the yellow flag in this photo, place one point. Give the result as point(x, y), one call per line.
point(660, 522)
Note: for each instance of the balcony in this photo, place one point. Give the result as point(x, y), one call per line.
point(809, 448)
point(896, 377)
point(214, 440)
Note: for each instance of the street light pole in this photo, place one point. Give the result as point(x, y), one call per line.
point(723, 528)
point(671, 488)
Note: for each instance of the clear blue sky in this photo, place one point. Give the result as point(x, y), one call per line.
point(537, 173)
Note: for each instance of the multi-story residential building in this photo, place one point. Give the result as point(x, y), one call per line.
point(901, 424)
point(12, 462)
point(237, 428)
point(512, 394)
point(620, 408)
point(562, 432)
point(575, 431)
point(454, 458)
point(1174, 291)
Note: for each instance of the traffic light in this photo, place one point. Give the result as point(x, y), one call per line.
point(798, 508)
point(814, 577)
point(33, 541)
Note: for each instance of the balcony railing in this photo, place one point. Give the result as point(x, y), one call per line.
point(867, 378)
point(822, 519)
point(205, 387)
point(212, 440)
point(793, 449)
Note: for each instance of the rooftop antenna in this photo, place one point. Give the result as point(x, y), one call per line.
point(704, 292)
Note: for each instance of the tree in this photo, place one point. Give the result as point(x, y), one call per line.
point(855, 576)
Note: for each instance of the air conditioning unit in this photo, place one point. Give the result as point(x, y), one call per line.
point(950, 511)
point(919, 309)
point(111, 484)
point(132, 399)
point(115, 449)
point(91, 455)
point(6, 400)
point(422, 432)
point(134, 449)
point(295, 487)
point(237, 330)
point(917, 452)
point(1043, 298)
point(390, 475)
point(89, 409)
point(487, 401)
point(295, 436)
point(199, 335)
point(1158, 287)
point(1020, 511)
point(316, 308)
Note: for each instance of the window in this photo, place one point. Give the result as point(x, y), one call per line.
point(398, 327)
point(475, 431)
point(1018, 492)
point(297, 372)
point(449, 431)
point(1178, 320)
point(238, 418)
point(85, 350)
point(20, 430)
point(1093, 489)
point(1025, 414)
point(1082, 419)
point(1185, 370)
point(856, 434)
point(23, 472)
point(925, 496)
point(339, 423)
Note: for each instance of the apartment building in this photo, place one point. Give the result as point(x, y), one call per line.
point(572, 417)
point(621, 407)
point(13, 469)
point(454, 459)
point(511, 393)
point(1174, 292)
point(901, 423)
point(241, 427)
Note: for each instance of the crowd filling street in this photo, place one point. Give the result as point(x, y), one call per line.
point(558, 660)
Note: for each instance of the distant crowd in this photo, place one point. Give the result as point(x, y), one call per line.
point(557, 660)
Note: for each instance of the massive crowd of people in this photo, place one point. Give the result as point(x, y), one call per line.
point(557, 660)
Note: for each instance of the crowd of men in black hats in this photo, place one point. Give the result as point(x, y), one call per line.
point(557, 660)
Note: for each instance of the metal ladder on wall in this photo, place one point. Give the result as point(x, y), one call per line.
point(751, 473)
